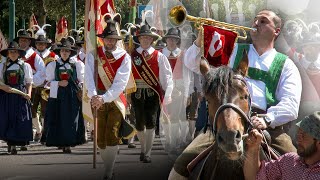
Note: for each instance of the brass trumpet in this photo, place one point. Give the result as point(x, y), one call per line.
point(45, 94)
point(178, 15)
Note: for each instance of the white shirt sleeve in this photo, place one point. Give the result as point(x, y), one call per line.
point(28, 77)
point(288, 93)
point(192, 60)
point(187, 78)
point(88, 76)
point(165, 74)
point(40, 75)
point(50, 77)
point(80, 71)
point(120, 81)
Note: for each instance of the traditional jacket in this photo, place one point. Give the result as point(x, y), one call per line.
point(47, 56)
point(160, 69)
point(37, 65)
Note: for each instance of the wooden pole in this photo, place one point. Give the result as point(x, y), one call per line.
point(94, 113)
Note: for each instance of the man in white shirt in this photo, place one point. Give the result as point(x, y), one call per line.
point(274, 81)
point(47, 56)
point(114, 71)
point(38, 68)
point(153, 76)
point(177, 136)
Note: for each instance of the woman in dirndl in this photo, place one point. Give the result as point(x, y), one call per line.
point(64, 126)
point(15, 92)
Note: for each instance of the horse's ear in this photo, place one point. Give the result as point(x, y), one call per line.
point(244, 64)
point(204, 66)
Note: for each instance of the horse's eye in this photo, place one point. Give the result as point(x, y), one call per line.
point(244, 97)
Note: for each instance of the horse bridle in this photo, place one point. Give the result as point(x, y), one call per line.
point(236, 108)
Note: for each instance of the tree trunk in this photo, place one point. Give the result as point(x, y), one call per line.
point(41, 12)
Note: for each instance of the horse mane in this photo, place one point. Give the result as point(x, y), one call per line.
point(217, 81)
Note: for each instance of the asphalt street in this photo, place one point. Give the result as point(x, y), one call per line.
point(41, 162)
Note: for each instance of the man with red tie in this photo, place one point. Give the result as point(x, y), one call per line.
point(153, 76)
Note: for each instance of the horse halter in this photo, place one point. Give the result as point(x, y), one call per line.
point(236, 108)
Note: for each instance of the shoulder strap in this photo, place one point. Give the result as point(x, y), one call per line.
point(241, 48)
point(270, 78)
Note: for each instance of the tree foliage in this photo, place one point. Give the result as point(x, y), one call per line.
point(49, 11)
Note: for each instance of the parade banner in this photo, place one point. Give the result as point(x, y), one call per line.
point(3, 42)
point(61, 29)
point(218, 45)
point(33, 21)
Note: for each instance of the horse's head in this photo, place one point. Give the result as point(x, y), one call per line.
point(229, 105)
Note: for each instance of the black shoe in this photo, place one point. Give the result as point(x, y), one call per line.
point(111, 178)
point(67, 150)
point(131, 145)
point(23, 148)
point(147, 159)
point(141, 156)
point(37, 137)
point(14, 151)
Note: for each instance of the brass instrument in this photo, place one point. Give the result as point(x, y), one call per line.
point(45, 94)
point(178, 15)
point(48, 60)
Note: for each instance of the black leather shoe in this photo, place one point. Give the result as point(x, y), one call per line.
point(131, 145)
point(107, 178)
point(147, 159)
point(23, 148)
point(67, 150)
point(141, 156)
point(9, 148)
point(14, 151)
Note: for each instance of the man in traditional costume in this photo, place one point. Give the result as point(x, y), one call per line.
point(176, 129)
point(114, 69)
point(273, 81)
point(47, 56)
point(153, 75)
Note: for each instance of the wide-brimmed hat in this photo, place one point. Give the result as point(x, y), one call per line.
point(42, 39)
point(110, 32)
point(172, 33)
point(311, 125)
point(65, 44)
point(310, 39)
point(160, 45)
point(145, 30)
point(78, 40)
point(23, 33)
point(13, 46)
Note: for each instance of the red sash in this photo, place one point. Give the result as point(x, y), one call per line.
point(110, 66)
point(31, 60)
point(52, 54)
point(147, 70)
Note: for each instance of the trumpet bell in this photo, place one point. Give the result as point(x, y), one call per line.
point(45, 94)
point(177, 15)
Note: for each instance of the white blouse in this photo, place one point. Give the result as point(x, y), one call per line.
point(50, 74)
point(27, 70)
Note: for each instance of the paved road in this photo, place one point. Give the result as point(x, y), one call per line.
point(41, 162)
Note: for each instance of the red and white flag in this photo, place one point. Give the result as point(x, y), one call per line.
point(61, 29)
point(3, 42)
point(218, 45)
point(33, 21)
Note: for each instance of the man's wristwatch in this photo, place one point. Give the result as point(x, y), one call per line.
point(267, 120)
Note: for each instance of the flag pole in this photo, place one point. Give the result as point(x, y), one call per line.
point(89, 4)
point(95, 113)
